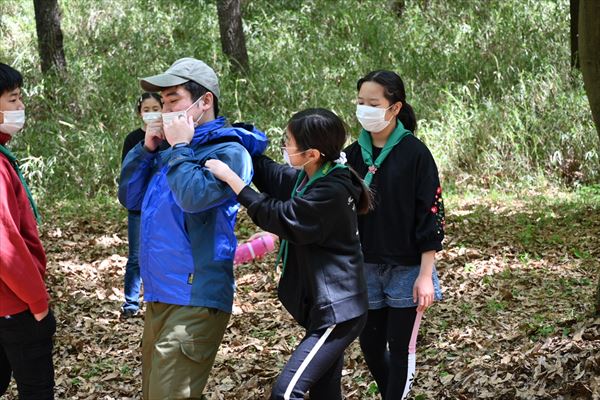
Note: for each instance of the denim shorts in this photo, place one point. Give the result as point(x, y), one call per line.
point(392, 285)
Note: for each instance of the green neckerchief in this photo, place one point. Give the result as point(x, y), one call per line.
point(366, 148)
point(324, 170)
point(15, 164)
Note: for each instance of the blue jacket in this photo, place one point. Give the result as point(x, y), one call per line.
point(188, 216)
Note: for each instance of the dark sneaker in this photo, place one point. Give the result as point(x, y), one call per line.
point(129, 313)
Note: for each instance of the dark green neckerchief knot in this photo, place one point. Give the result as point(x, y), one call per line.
point(366, 148)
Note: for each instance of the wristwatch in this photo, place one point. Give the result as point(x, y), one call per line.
point(178, 145)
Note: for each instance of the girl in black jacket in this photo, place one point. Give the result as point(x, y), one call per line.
point(148, 109)
point(401, 235)
point(312, 206)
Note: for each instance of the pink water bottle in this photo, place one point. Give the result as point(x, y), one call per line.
point(258, 247)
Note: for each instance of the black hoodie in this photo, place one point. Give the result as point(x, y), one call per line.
point(323, 282)
point(408, 217)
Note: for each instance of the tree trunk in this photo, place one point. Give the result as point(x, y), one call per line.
point(232, 33)
point(598, 299)
point(50, 37)
point(589, 54)
point(397, 7)
point(574, 12)
point(589, 60)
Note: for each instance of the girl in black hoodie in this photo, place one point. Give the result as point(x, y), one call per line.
point(311, 204)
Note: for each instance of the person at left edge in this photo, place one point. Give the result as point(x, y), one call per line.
point(187, 228)
point(27, 325)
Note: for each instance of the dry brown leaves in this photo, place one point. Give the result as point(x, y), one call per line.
point(516, 321)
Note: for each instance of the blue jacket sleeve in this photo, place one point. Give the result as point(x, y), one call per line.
point(194, 187)
point(135, 175)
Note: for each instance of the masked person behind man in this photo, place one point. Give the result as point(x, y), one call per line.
point(187, 229)
point(26, 323)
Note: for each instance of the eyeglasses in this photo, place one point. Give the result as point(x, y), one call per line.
point(284, 144)
point(282, 148)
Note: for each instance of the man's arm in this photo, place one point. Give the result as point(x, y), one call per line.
point(194, 187)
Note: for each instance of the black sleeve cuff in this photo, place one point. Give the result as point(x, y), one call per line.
point(428, 246)
point(248, 196)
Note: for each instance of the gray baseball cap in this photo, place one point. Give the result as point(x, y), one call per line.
point(180, 72)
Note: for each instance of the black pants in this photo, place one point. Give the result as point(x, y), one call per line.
point(393, 368)
point(26, 352)
point(316, 364)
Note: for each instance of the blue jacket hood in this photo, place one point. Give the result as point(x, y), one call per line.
point(247, 135)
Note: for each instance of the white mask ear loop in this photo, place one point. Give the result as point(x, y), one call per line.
point(203, 112)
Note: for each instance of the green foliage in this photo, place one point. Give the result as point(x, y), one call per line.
point(373, 389)
point(490, 81)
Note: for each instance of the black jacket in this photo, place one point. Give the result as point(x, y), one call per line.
point(323, 282)
point(408, 215)
point(131, 140)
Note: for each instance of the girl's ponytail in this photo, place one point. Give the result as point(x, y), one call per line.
point(365, 200)
point(407, 117)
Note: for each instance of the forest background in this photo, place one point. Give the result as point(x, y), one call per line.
point(498, 101)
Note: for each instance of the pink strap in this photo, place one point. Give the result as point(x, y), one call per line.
point(412, 345)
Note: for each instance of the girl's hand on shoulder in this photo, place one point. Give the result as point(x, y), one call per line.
point(423, 292)
point(222, 172)
point(219, 169)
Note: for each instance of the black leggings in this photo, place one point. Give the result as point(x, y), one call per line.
point(316, 364)
point(392, 369)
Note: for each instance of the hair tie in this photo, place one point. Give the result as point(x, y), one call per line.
point(342, 158)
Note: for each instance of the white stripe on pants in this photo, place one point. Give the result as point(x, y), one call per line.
point(307, 361)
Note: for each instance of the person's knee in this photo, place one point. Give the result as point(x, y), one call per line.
point(279, 389)
point(277, 394)
point(372, 345)
point(398, 348)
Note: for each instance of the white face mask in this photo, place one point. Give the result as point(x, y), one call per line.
point(13, 121)
point(168, 117)
point(149, 117)
point(286, 158)
point(372, 118)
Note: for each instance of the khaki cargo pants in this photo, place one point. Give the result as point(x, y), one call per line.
point(179, 346)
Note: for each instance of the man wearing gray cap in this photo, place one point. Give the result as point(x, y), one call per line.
point(187, 228)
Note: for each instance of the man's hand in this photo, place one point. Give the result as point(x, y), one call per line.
point(154, 135)
point(180, 130)
point(40, 316)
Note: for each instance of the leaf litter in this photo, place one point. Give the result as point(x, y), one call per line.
point(516, 321)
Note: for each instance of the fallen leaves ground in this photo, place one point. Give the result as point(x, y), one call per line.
point(517, 320)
